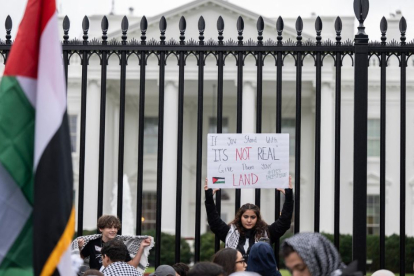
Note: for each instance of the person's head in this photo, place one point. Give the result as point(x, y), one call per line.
point(164, 270)
point(383, 272)
point(308, 254)
point(248, 217)
point(230, 259)
point(108, 225)
point(92, 272)
point(206, 269)
point(113, 251)
point(244, 273)
point(181, 269)
point(262, 260)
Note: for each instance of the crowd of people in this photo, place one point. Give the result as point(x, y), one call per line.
point(248, 251)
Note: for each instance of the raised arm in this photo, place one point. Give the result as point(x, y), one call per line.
point(282, 224)
point(135, 261)
point(217, 225)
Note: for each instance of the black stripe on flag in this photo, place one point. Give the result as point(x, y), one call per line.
point(53, 196)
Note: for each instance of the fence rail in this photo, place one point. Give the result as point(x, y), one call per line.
point(360, 51)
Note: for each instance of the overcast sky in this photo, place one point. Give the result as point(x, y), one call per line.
point(76, 9)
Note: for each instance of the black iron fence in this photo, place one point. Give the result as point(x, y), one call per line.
point(360, 50)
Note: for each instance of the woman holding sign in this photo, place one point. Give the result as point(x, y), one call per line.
point(247, 227)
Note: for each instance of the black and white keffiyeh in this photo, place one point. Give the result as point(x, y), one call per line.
point(318, 253)
point(233, 237)
point(121, 268)
point(132, 243)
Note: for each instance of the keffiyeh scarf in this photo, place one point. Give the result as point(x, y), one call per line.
point(233, 237)
point(132, 243)
point(318, 253)
point(121, 268)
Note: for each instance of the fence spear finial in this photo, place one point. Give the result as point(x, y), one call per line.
point(240, 28)
point(66, 27)
point(182, 26)
point(104, 27)
point(8, 24)
point(403, 29)
point(163, 28)
point(144, 27)
point(220, 29)
point(124, 28)
point(299, 28)
point(318, 29)
point(361, 8)
point(279, 27)
point(383, 28)
point(260, 28)
point(85, 28)
point(338, 30)
point(201, 27)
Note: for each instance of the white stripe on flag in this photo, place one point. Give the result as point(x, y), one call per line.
point(28, 86)
point(51, 94)
point(65, 266)
point(14, 211)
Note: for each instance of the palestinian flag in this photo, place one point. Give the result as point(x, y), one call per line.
point(36, 214)
point(219, 180)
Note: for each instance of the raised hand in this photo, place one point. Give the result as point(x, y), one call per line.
point(146, 242)
point(290, 185)
point(81, 242)
point(206, 187)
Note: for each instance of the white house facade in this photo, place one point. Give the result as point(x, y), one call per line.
point(211, 10)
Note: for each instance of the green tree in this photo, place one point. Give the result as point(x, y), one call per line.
point(207, 246)
point(168, 249)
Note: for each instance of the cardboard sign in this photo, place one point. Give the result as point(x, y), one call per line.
point(248, 160)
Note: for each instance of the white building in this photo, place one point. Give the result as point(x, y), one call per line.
point(211, 10)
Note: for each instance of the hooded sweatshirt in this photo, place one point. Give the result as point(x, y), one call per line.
point(262, 260)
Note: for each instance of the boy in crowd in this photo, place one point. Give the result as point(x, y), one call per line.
point(114, 253)
point(91, 246)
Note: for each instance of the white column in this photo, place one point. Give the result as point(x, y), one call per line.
point(91, 154)
point(169, 172)
point(248, 126)
point(327, 158)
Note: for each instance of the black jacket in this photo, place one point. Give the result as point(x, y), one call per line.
point(275, 230)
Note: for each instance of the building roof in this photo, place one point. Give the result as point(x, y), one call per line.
point(225, 5)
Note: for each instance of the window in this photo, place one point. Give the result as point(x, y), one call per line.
point(289, 126)
point(73, 126)
point(149, 210)
point(150, 135)
point(373, 214)
point(374, 128)
point(212, 125)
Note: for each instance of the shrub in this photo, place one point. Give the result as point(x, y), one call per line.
point(168, 249)
point(207, 246)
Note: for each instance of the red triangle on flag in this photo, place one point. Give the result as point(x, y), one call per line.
point(214, 180)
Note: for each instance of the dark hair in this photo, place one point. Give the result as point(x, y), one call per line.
point(92, 272)
point(115, 249)
point(226, 258)
point(260, 227)
point(287, 249)
point(206, 269)
point(107, 221)
point(181, 268)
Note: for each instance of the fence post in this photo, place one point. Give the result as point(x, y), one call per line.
point(359, 250)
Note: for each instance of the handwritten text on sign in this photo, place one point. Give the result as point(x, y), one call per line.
point(248, 160)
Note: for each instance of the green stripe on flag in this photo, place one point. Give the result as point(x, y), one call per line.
point(18, 260)
point(17, 121)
